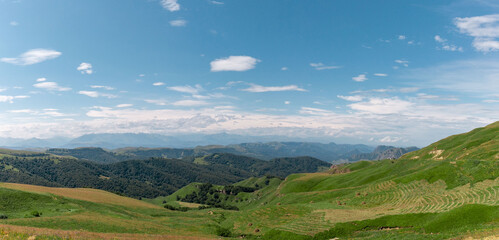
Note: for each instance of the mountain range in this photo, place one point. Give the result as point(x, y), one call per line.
point(330, 152)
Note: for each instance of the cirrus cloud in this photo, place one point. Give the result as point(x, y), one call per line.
point(95, 94)
point(258, 88)
point(381, 105)
point(10, 99)
point(51, 86)
point(321, 66)
point(178, 23)
point(32, 56)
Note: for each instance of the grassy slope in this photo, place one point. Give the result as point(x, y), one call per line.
point(102, 216)
point(480, 143)
point(424, 197)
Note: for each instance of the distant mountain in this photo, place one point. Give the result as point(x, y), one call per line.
point(382, 152)
point(123, 140)
point(330, 152)
point(327, 152)
point(118, 140)
point(34, 143)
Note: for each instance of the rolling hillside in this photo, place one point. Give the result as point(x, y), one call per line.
point(142, 178)
point(418, 196)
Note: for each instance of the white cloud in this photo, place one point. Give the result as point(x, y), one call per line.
point(446, 46)
point(484, 29)
point(439, 39)
point(404, 63)
point(234, 63)
point(14, 23)
point(159, 102)
point(96, 94)
point(158, 84)
point(216, 2)
point(170, 5)
point(355, 98)
point(33, 56)
point(435, 97)
point(85, 68)
point(389, 139)
point(10, 99)
point(360, 78)
point(41, 79)
point(189, 103)
point(452, 48)
point(382, 105)
point(486, 45)
point(419, 125)
point(178, 23)
point(402, 37)
point(321, 66)
point(124, 105)
point(315, 111)
point(22, 111)
point(284, 68)
point(51, 86)
point(187, 89)
point(380, 74)
point(287, 102)
point(103, 87)
point(44, 112)
point(258, 88)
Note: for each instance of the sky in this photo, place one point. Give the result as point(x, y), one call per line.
point(387, 72)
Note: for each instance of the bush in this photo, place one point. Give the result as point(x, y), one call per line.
point(223, 232)
point(36, 214)
point(182, 209)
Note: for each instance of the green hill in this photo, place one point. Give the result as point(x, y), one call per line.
point(143, 178)
point(478, 144)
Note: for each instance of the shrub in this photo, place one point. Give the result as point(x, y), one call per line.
point(223, 232)
point(182, 209)
point(36, 214)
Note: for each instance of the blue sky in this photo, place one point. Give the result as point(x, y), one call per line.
point(375, 72)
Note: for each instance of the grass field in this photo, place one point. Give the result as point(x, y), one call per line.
point(85, 194)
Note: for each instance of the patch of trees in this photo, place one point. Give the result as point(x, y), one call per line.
point(214, 197)
point(182, 209)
